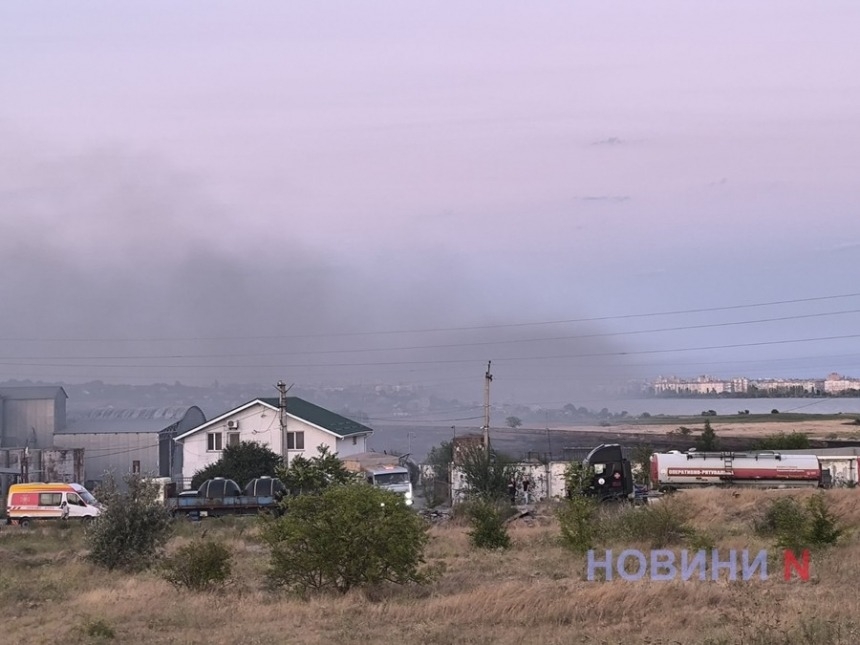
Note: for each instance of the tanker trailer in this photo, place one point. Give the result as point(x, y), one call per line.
point(674, 470)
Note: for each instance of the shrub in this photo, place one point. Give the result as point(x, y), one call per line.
point(346, 536)
point(132, 528)
point(782, 441)
point(798, 526)
point(199, 565)
point(488, 525)
point(578, 520)
point(312, 475)
point(486, 472)
point(661, 524)
point(98, 629)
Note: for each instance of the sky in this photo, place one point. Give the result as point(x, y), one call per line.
point(585, 193)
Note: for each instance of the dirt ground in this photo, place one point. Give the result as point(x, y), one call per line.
point(823, 429)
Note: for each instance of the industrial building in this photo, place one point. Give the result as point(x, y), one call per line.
point(30, 416)
point(137, 440)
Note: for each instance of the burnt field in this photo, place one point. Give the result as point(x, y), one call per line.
point(541, 442)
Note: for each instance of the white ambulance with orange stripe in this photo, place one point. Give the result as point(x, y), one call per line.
point(29, 502)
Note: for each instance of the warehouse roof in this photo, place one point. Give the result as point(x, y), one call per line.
point(127, 420)
point(31, 392)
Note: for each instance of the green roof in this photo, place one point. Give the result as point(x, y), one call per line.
point(321, 417)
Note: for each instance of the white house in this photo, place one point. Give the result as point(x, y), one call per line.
point(307, 426)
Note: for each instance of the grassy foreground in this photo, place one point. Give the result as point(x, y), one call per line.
point(535, 592)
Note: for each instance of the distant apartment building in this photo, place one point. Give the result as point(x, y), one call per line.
point(699, 385)
point(837, 384)
point(833, 385)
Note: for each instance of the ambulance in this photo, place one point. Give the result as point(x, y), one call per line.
point(28, 502)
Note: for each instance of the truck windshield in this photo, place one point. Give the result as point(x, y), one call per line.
point(386, 479)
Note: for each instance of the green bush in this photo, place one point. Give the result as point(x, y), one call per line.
point(799, 526)
point(487, 518)
point(662, 524)
point(200, 565)
point(98, 629)
point(346, 536)
point(578, 520)
point(133, 527)
point(241, 463)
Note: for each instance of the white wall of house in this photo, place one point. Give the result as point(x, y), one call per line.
point(547, 481)
point(261, 423)
point(844, 470)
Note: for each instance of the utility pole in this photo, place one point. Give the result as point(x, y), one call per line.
point(488, 378)
point(548, 437)
point(25, 464)
point(282, 412)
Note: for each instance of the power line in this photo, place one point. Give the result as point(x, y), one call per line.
point(446, 345)
point(10, 362)
point(446, 329)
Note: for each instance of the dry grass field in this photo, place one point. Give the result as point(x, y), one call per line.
point(535, 592)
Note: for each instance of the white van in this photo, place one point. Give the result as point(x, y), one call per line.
point(28, 502)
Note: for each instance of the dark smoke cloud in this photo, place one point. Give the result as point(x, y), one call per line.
point(123, 257)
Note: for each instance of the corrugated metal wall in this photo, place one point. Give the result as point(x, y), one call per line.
point(115, 452)
point(29, 422)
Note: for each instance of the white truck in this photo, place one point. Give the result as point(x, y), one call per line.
point(384, 471)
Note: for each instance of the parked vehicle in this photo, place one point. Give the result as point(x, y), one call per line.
point(612, 478)
point(28, 502)
point(384, 471)
point(675, 470)
point(218, 496)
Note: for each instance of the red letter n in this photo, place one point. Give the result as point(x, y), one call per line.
point(802, 567)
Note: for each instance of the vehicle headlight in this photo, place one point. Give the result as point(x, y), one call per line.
point(409, 494)
point(409, 501)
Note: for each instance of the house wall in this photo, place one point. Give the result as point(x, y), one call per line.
point(261, 424)
point(547, 481)
point(844, 470)
point(113, 451)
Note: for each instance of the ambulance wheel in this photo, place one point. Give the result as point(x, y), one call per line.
point(24, 522)
point(86, 519)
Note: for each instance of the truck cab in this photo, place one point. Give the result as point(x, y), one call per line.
point(394, 478)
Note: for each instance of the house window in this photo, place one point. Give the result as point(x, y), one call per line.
point(295, 441)
point(135, 467)
point(355, 441)
point(232, 439)
point(214, 441)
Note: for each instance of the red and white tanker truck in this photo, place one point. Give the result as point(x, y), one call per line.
point(675, 470)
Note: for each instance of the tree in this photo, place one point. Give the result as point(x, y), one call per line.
point(347, 536)
point(241, 463)
point(487, 472)
point(133, 527)
point(437, 487)
point(641, 457)
point(306, 476)
point(707, 441)
point(440, 457)
point(513, 422)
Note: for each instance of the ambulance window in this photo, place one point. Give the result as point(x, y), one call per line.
point(72, 498)
point(50, 499)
